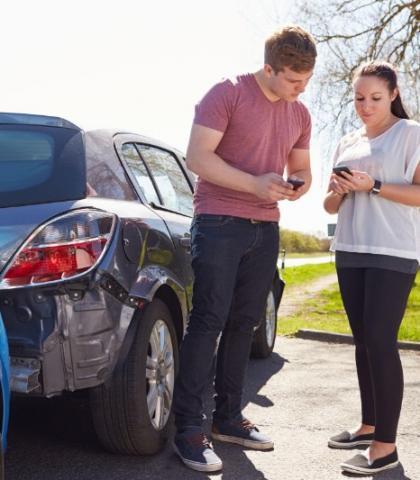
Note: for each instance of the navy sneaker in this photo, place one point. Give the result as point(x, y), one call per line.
point(196, 451)
point(241, 433)
point(360, 464)
point(347, 440)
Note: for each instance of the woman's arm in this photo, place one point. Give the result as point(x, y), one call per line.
point(400, 193)
point(333, 201)
point(336, 194)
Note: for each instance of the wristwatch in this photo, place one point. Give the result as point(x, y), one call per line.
point(376, 187)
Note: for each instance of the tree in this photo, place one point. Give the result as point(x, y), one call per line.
point(293, 241)
point(349, 32)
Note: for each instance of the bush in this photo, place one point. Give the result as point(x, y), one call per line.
point(297, 242)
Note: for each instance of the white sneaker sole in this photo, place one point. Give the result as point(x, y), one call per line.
point(349, 445)
point(199, 467)
point(352, 469)
point(243, 442)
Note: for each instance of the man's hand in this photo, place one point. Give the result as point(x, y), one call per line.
point(297, 192)
point(273, 187)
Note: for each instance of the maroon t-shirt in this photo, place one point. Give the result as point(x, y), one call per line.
point(258, 138)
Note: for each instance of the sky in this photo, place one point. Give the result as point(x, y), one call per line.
point(141, 65)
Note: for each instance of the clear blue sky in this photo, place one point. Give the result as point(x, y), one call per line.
point(139, 65)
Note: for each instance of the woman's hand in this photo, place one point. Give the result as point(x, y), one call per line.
point(337, 186)
point(357, 182)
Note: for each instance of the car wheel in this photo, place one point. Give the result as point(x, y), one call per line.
point(265, 335)
point(131, 411)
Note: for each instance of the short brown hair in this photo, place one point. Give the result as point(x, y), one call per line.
point(291, 47)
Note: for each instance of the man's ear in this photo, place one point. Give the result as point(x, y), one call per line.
point(268, 70)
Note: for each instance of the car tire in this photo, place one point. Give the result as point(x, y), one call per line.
point(265, 334)
point(131, 411)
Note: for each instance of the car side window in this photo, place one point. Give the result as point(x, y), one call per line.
point(173, 186)
point(140, 173)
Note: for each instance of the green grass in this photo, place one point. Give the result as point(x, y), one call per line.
point(326, 312)
point(307, 255)
point(306, 273)
point(410, 327)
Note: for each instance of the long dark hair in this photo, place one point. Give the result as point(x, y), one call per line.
point(386, 72)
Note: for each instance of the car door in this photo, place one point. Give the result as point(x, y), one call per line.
point(175, 205)
point(165, 187)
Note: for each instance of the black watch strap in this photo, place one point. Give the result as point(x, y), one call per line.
point(376, 187)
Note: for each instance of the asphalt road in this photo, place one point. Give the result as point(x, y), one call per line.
point(300, 396)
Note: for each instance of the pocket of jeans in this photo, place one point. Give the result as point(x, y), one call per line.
point(208, 220)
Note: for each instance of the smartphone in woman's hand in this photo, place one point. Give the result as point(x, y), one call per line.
point(338, 171)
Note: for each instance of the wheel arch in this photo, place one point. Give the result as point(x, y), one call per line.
point(171, 300)
point(148, 287)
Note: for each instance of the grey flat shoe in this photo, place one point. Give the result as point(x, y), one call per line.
point(346, 440)
point(360, 464)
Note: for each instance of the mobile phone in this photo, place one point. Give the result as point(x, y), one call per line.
point(296, 182)
point(338, 170)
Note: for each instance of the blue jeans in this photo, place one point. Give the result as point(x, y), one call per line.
point(234, 262)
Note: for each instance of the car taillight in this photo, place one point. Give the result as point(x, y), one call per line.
point(63, 248)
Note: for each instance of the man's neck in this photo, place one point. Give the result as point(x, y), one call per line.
point(262, 83)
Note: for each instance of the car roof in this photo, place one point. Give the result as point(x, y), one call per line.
point(9, 118)
point(133, 137)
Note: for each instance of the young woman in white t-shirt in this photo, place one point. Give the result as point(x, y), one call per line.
point(377, 245)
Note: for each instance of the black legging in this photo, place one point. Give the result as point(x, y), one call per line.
point(375, 300)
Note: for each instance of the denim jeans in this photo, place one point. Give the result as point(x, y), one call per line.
point(234, 262)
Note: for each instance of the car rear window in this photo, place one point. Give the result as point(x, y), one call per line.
point(40, 164)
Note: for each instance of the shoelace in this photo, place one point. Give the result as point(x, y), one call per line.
point(199, 440)
point(247, 425)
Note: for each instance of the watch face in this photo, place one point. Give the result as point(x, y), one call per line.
point(376, 187)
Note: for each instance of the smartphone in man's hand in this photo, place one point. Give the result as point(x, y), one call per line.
point(296, 182)
point(338, 170)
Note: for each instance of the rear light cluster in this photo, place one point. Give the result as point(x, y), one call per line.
point(63, 248)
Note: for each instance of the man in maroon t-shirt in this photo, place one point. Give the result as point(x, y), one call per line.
point(247, 131)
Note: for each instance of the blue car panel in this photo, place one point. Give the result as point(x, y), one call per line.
point(4, 381)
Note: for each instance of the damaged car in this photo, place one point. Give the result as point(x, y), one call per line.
point(95, 273)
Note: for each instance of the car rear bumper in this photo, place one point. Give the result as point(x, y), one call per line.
point(65, 342)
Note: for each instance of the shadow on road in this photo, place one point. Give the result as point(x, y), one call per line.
point(53, 439)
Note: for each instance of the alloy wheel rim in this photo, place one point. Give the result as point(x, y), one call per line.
point(160, 374)
point(270, 319)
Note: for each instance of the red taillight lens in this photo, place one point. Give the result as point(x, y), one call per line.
point(63, 249)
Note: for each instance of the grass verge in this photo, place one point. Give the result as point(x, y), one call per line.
point(326, 312)
point(307, 255)
point(294, 276)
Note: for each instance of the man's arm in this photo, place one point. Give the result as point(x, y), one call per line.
point(202, 160)
point(299, 165)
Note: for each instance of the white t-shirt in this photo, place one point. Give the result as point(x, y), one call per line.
point(369, 223)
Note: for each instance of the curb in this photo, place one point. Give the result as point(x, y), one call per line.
point(324, 336)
